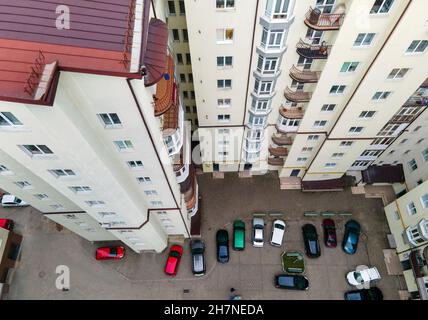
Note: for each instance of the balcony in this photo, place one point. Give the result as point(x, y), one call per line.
point(292, 113)
point(304, 76)
point(297, 96)
point(310, 51)
point(277, 162)
point(325, 21)
point(278, 152)
point(282, 140)
point(166, 90)
point(173, 129)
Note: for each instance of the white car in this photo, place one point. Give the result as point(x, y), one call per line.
point(9, 200)
point(361, 277)
point(258, 232)
point(278, 228)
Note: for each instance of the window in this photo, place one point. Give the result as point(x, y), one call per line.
point(425, 154)
point(328, 107)
point(320, 123)
point(124, 145)
point(307, 149)
point(346, 143)
point(23, 184)
point(420, 141)
point(364, 39)
point(371, 153)
point(224, 61)
point(302, 159)
point(5, 171)
point(259, 105)
point(381, 6)
point(223, 131)
point(39, 149)
point(355, 130)
point(267, 65)
point(417, 46)
point(175, 35)
point(95, 203)
point(411, 209)
point(151, 192)
point(381, 95)
point(185, 35)
point(360, 163)
point(80, 189)
point(7, 119)
point(330, 165)
point(224, 103)
point(263, 87)
point(367, 114)
point(171, 8)
point(185, 95)
point(105, 214)
point(223, 117)
point(225, 35)
point(135, 164)
point(398, 73)
point(221, 4)
point(417, 128)
point(306, 63)
point(41, 196)
point(413, 165)
point(190, 77)
point(338, 89)
point(277, 9)
point(313, 137)
point(179, 58)
point(182, 7)
point(110, 120)
point(188, 59)
point(62, 173)
point(389, 130)
point(144, 180)
point(182, 77)
point(382, 141)
point(403, 141)
point(257, 120)
point(314, 36)
point(272, 39)
point(57, 206)
point(349, 67)
point(156, 203)
point(192, 93)
point(424, 201)
point(224, 84)
point(337, 155)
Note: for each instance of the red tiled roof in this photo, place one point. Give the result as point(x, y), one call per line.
point(95, 43)
point(166, 90)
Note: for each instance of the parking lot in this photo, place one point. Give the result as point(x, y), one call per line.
point(251, 271)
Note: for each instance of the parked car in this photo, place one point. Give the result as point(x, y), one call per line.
point(364, 294)
point(278, 228)
point(222, 238)
point(197, 248)
point(173, 260)
point(310, 238)
point(362, 277)
point(6, 224)
point(9, 200)
point(238, 235)
point(351, 237)
point(258, 232)
point(110, 253)
point(330, 238)
point(291, 281)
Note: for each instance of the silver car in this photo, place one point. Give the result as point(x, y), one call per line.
point(258, 232)
point(197, 248)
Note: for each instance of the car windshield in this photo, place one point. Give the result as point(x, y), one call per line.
point(198, 262)
point(174, 254)
point(286, 281)
point(279, 226)
point(313, 246)
point(223, 251)
point(358, 277)
point(113, 252)
point(354, 296)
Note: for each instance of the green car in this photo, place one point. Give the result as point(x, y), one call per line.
point(238, 235)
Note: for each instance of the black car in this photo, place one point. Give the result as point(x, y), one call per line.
point(291, 281)
point(197, 248)
point(222, 238)
point(364, 294)
point(310, 238)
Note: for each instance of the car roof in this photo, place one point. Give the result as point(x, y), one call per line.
point(8, 197)
point(258, 221)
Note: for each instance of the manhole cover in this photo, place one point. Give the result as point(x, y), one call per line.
point(42, 274)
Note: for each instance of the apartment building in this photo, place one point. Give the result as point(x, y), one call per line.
point(408, 221)
point(92, 125)
point(179, 43)
point(306, 88)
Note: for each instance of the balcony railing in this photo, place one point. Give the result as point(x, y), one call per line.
point(282, 140)
point(324, 21)
point(297, 96)
point(278, 152)
point(310, 51)
point(276, 162)
point(304, 76)
point(291, 113)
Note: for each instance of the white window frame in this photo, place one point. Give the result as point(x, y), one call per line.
point(223, 118)
point(124, 145)
point(272, 39)
point(95, 203)
point(382, 7)
point(425, 154)
point(260, 105)
point(110, 120)
point(267, 65)
point(5, 171)
point(135, 164)
point(41, 196)
point(411, 208)
point(226, 4)
point(144, 180)
point(363, 43)
point(328, 107)
point(24, 185)
point(381, 95)
point(284, 7)
point(81, 189)
point(224, 39)
point(9, 120)
point(346, 144)
point(398, 73)
point(355, 130)
point(367, 114)
point(42, 151)
point(262, 87)
point(151, 193)
point(416, 44)
point(413, 165)
point(63, 173)
point(313, 137)
point(223, 60)
point(320, 123)
point(330, 165)
point(221, 84)
point(224, 103)
point(337, 90)
point(349, 67)
point(424, 200)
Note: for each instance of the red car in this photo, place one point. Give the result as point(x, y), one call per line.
point(330, 238)
point(110, 253)
point(173, 260)
point(6, 224)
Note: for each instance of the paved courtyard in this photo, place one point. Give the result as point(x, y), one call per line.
point(250, 272)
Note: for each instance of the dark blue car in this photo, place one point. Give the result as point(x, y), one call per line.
point(222, 238)
point(351, 237)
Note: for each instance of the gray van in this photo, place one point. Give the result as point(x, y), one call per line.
point(197, 248)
